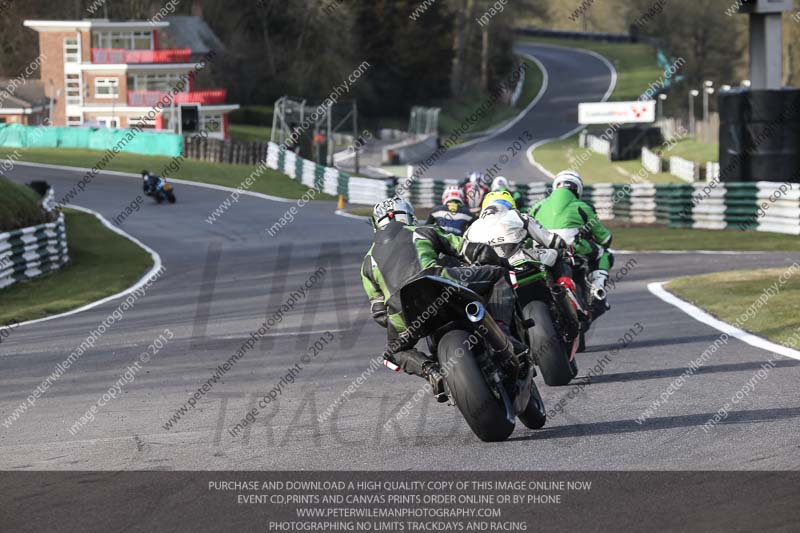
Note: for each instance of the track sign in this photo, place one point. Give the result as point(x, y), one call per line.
point(617, 112)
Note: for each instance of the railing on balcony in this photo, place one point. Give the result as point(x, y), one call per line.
point(122, 56)
point(151, 98)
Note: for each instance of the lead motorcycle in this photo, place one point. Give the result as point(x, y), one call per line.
point(551, 316)
point(490, 384)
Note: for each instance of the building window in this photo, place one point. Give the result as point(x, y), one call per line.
point(154, 82)
point(106, 87)
point(73, 89)
point(137, 40)
point(143, 122)
point(74, 120)
point(108, 122)
point(72, 50)
point(212, 123)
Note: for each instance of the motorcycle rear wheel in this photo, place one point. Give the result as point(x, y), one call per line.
point(535, 415)
point(485, 414)
point(547, 347)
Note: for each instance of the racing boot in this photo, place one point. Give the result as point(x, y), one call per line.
point(417, 363)
point(597, 287)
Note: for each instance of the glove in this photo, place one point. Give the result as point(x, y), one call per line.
point(484, 254)
point(378, 310)
point(558, 242)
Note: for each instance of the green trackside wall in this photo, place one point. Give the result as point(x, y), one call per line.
point(144, 142)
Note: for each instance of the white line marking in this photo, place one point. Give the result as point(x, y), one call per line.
point(657, 288)
point(142, 281)
point(609, 91)
point(494, 133)
point(343, 213)
point(699, 252)
point(171, 180)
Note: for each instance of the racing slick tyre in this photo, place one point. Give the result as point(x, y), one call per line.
point(547, 347)
point(582, 343)
point(535, 415)
point(171, 197)
point(485, 413)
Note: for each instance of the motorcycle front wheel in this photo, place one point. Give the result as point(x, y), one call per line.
point(483, 411)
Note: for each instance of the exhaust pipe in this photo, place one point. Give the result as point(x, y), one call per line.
point(598, 293)
point(567, 311)
point(497, 339)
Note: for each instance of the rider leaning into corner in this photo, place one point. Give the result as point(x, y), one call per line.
point(402, 252)
point(149, 182)
point(565, 213)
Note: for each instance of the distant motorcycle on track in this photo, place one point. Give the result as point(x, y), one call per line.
point(157, 187)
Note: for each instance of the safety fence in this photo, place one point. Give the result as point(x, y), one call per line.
point(326, 179)
point(762, 206)
point(30, 252)
point(689, 171)
point(103, 139)
point(219, 151)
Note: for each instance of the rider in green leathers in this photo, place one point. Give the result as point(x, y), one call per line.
point(565, 213)
point(400, 253)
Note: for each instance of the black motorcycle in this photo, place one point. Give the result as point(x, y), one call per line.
point(484, 378)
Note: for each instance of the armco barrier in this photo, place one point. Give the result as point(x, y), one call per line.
point(30, 252)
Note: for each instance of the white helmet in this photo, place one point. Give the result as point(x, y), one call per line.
point(500, 184)
point(569, 179)
point(453, 193)
point(391, 209)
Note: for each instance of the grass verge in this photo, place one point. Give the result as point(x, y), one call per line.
point(727, 295)
point(248, 133)
point(637, 68)
point(102, 263)
point(455, 111)
point(270, 182)
point(595, 168)
point(636, 64)
point(635, 237)
point(694, 151)
point(19, 206)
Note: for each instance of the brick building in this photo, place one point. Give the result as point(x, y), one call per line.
point(112, 74)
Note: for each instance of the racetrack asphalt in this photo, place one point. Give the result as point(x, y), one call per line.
point(223, 280)
point(572, 76)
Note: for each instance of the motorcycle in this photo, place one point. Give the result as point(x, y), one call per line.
point(490, 384)
point(162, 191)
point(551, 315)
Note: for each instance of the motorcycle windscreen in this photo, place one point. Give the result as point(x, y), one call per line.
point(431, 302)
